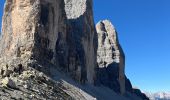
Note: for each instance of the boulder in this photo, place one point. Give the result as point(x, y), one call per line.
point(8, 82)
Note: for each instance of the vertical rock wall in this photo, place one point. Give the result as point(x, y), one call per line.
point(54, 31)
point(18, 28)
point(81, 38)
point(110, 57)
point(30, 30)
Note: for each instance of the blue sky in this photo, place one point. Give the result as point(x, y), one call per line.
point(144, 30)
point(1, 10)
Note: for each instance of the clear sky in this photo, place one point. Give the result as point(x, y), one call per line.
point(144, 32)
point(1, 10)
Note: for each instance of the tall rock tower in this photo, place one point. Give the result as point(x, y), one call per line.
point(82, 38)
point(59, 32)
point(110, 57)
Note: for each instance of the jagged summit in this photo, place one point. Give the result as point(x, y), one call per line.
point(51, 49)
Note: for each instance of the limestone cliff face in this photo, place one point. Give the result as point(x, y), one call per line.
point(55, 31)
point(81, 37)
point(30, 29)
point(111, 61)
point(110, 57)
point(18, 28)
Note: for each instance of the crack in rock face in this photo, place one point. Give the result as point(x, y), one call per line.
point(75, 8)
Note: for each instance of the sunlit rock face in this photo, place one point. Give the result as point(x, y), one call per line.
point(54, 31)
point(75, 8)
point(30, 28)
point(110, 57)
point(17, 33)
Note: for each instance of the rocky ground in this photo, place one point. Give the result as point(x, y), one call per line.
point(31, 84)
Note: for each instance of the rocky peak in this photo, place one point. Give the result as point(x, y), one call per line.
point(108, 40)
point(54, 31)
point(110, 57)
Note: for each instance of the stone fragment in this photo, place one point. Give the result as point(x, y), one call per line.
point(5, 71)
point(8, 82)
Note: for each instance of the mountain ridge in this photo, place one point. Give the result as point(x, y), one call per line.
point(158, 95)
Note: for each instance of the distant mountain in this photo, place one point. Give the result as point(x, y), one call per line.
point(159, 96)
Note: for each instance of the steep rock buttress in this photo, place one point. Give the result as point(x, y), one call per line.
point(54, 31)
point(111, 61)
point(110, 57)
point(30, 30)
point(81, 36)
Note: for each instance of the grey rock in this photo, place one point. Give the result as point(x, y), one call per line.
point(110, 57)
point(5, 71)
point(42, 38)
point(39, 87)
point(8, 82)
point(59, 32)
point(81, 36)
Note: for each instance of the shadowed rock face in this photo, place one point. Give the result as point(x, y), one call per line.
point(81, 36)
point(110, 57)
